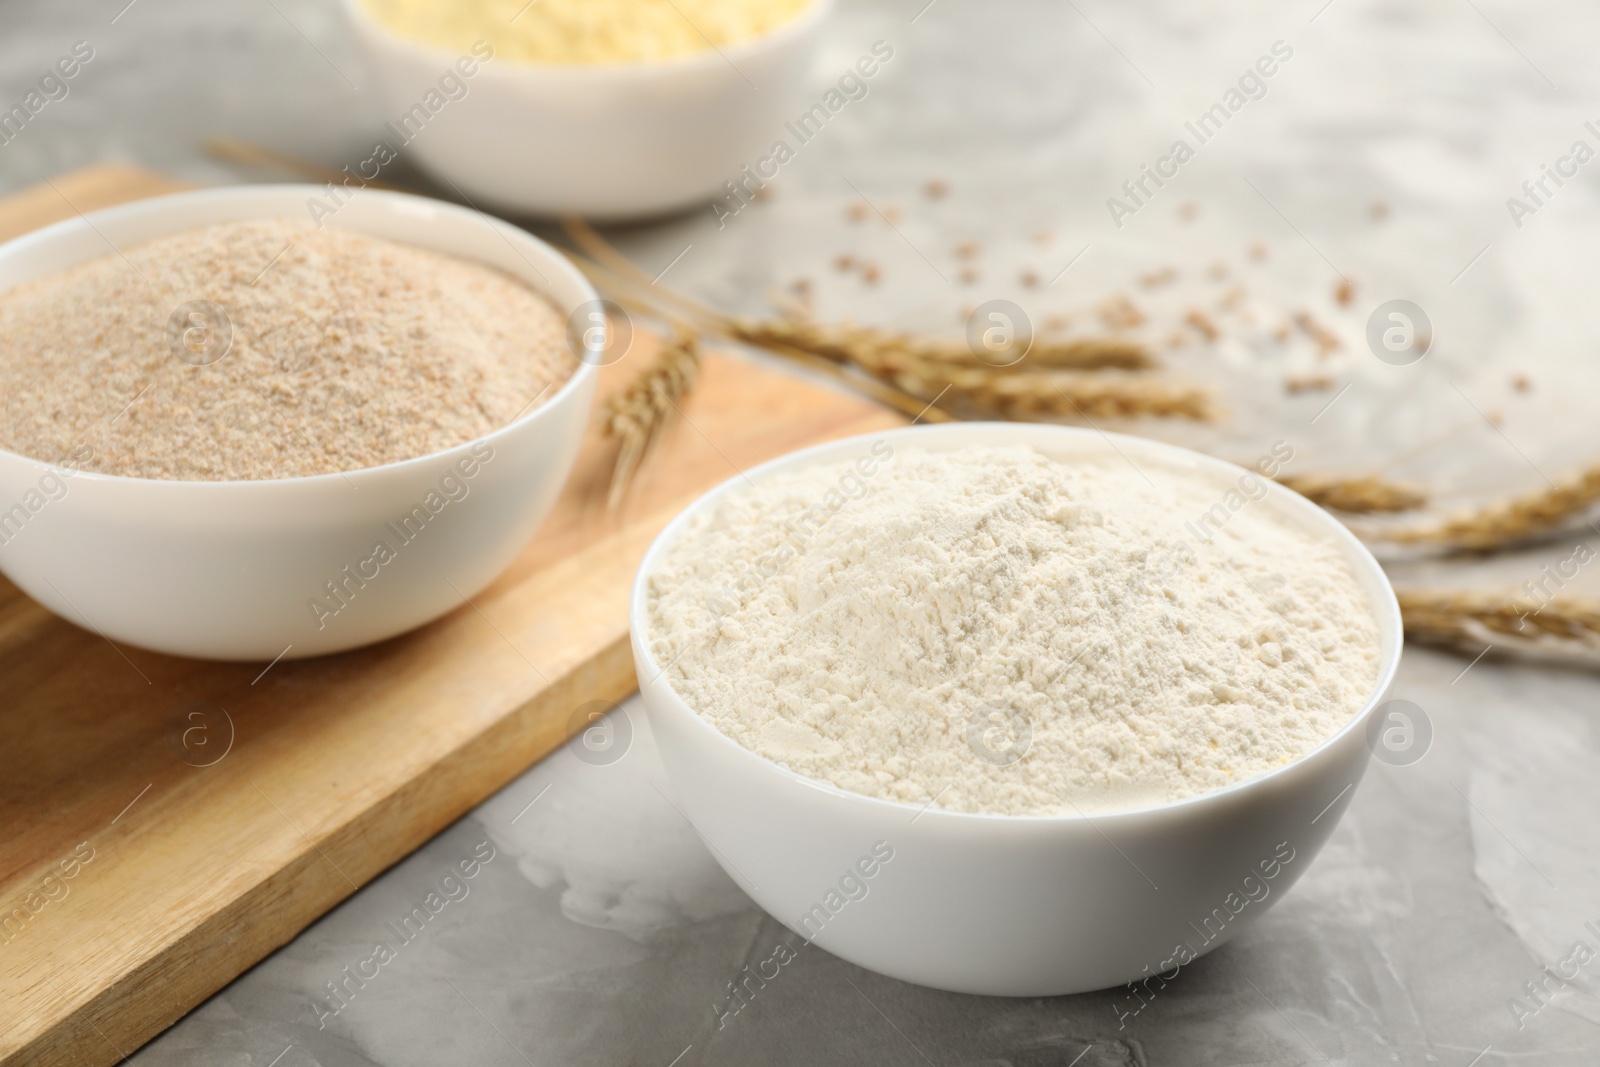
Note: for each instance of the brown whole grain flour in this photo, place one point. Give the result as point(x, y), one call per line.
point(346, 351)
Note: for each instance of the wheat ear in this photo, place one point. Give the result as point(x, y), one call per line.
point(1361, 494)
point(639, 416)
point(1457, 617)
point(1494, 526)
point(936, 378)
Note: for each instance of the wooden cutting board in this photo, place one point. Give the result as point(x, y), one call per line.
point(165, 823)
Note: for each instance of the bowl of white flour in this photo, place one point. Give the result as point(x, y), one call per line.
point(1012, 709)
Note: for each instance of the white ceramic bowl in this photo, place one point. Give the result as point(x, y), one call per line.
point(606, 141)
point(998, 904)
point(228, 569)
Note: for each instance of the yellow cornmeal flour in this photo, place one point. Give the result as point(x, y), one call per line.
point(585, 31)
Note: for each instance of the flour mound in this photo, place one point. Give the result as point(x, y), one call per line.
point(1010, 633)
point(333, 351)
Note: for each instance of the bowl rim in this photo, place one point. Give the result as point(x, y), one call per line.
point(176, 203)
point(626, 69)
point(1386, 613)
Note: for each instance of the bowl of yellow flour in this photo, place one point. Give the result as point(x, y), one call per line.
point(1012, 709)
point(603, 108)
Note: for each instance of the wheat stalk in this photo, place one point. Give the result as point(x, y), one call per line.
point(1046, 393)
point(931, 377)
point(638, 417)
point(1457, 618)
point(1050, 381)
point(1361, 494)
point(250, 154)
point(1494, 526)
point(882, 349)
point(947, 380)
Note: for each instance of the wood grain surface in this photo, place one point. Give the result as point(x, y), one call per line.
point(165, 823)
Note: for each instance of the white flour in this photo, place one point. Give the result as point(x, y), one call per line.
point(1010, 633)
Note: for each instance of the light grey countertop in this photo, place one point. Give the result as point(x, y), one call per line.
point(603, 932)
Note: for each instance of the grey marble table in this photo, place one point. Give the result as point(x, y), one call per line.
point(1383, 152)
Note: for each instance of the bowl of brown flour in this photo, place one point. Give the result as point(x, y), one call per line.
point(228, 431)
point(1012, 709)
